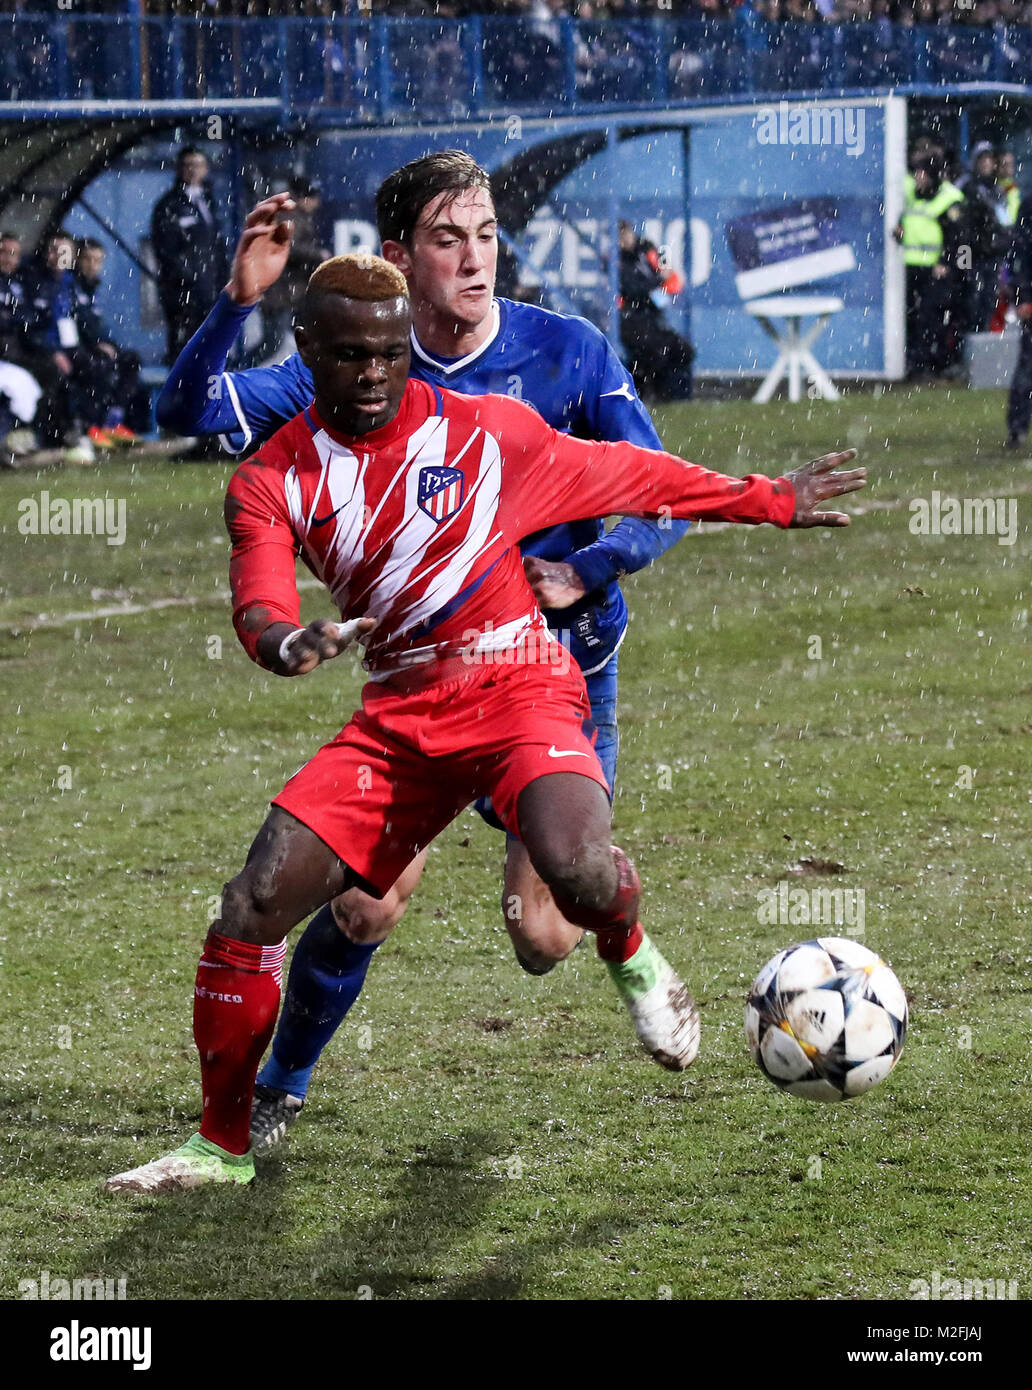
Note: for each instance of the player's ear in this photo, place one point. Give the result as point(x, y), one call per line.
point(303, 344)
point(395, 252)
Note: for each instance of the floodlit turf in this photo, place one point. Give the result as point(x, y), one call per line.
point(475, 1132)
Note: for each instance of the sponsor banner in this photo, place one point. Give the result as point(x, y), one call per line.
point(744, 203)
point(800, 200)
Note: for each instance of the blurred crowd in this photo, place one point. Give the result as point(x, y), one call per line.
point(67, 386)
point(65, 382)
point(543, 12)
point(905, 12)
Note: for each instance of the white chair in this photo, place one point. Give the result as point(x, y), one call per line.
point(794, 355)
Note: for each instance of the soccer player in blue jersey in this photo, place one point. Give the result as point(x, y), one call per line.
point(437, 224)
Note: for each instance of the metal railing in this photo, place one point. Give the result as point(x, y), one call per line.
point(438, 69)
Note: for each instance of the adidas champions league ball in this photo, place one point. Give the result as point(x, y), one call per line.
point(826, 1019)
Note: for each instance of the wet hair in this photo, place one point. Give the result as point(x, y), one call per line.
point(403, 195)
point(358, 276)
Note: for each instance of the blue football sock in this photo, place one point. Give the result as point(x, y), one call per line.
point(326, 977)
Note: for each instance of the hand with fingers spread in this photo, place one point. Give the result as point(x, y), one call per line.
point(295, 652)
point(816, 481)
point(262, 251)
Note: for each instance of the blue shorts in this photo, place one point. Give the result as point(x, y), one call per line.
point(602, 692)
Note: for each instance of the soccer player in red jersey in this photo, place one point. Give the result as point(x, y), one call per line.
point(408, 502)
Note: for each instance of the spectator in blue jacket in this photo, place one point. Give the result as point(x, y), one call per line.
point(68, 354)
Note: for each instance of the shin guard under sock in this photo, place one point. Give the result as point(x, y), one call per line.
point(236, 998)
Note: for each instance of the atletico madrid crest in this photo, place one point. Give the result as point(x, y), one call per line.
point(440, 492)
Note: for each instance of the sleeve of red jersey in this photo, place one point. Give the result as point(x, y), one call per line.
point(549, 478)
point(263, 565)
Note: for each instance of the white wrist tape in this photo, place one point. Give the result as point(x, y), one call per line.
point(286, 644)
point(347, 632)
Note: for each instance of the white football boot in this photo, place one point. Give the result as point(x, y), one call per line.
point(197, 1163)
point(665, 1018)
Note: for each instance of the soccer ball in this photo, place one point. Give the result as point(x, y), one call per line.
point(826, 1019)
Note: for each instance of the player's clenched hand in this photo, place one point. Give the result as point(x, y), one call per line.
point(262, 250)
point(555, 583)
point(816, 481)
point(302, 651)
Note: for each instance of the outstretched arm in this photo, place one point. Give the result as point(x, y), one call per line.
point(550, 478)
point(195, 398)
point(262, 251)
point(200, 397)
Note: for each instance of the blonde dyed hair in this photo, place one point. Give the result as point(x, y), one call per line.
point(359, 276)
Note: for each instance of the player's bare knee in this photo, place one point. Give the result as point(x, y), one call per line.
point(537, 962)
point(587, 878)
point(574, 883)
point(545, 936)
point(364, 919)
point(241, 914)
point(550, 950)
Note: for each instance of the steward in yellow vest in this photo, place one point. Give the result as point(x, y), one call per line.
point(1012, 193)
point(932, 232)
point(931, 211)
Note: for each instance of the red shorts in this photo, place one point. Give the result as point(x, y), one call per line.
point(410, 761)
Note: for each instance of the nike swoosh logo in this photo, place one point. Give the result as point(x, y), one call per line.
point(622, 390)
point(322, 520)
point(574, 753)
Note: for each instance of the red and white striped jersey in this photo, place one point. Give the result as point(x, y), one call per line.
point(417, 523)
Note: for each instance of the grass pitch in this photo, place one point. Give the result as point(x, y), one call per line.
point(474, 1132)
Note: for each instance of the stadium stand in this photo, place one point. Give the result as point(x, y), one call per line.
point(436, 59)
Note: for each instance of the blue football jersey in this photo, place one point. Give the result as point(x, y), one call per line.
point(561, 365)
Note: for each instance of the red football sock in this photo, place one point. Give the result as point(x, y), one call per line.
point(236, 999)
point(618, 945)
